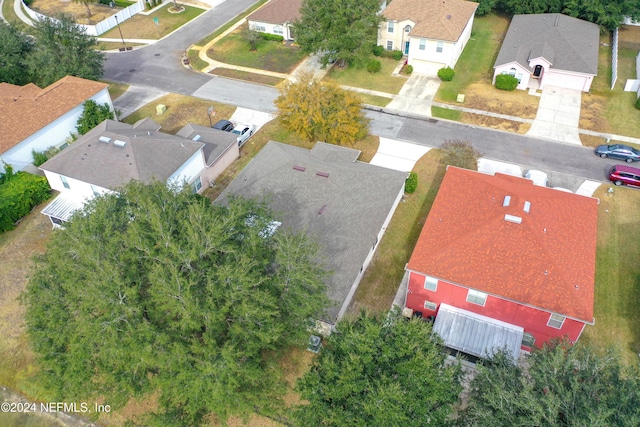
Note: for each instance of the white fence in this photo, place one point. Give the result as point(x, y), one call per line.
point(614, 59)
point(102, 26)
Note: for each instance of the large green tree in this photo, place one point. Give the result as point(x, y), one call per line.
point(341, 30)
point(92, 115)
point(63, 48)
point(559, 385)
point(379, 371)
point(156, 290)
point(14, 48)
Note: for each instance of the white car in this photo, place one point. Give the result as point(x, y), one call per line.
point(244, 132)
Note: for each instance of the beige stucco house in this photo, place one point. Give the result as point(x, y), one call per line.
point(431, 33)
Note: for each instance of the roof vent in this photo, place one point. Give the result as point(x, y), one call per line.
point(105, 139)
point(197, 138)
point(299, 168)
point(513, 218)
point(507, 201)
point(119, 143)
point(323, 174)
point(527, 206)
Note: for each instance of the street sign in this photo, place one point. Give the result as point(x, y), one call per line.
point(210, 110)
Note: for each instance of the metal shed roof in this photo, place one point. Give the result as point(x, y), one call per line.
point(476, 334)
point(62, 207)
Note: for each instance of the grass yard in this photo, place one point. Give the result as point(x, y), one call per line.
point(269, 55)
point(194, 60)
point(247, 76)
point(446, 113)
point(379, 101)
point(607, 110)
point(116, 89)
point(382, 81)
point(180, 111)
point(99, 12)
point(231, 23)
point(143, 27)
point(617, 294)
point(382, 278)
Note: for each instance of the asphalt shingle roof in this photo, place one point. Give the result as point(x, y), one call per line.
point(277, 12)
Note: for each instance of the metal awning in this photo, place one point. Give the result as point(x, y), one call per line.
point(476, 334)
point(62, 207)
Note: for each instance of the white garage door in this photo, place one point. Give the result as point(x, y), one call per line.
point(568, 81)
point(426, 67)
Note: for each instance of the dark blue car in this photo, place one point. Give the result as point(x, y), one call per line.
point(618, 151)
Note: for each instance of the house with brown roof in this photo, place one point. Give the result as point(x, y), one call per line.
point(431, 33)
point(550, 49)
point(276, 17)
point(114, 153)
point(504, 263)
point(32, 118)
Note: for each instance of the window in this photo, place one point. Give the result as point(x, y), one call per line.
point(439, 46)
point(430, 305)
point(423, 44)
point(389, 44)
point(407, 29)
point(65, 183)
point(556, 321)
point(519, 77)
point(197, 185)
point(277, 29)
point(512, 72)
point(431, 283)
point(257, 27)
point(528, 340)
point(390, 27)
point(476, 297)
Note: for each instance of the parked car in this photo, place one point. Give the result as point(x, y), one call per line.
point(618, 151)
point(622, 174)
point(244, 132)
point(224, 125)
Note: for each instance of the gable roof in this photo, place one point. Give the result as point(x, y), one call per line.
point(568, 43)
point(145, 156)
point(24, 110)
point(546, 261)
point(326, 193)
point(435, 19)
point(216, 142)
point(277, 12)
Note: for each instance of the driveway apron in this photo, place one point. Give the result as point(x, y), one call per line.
point(558, 115)
point(134, 98)
point(416, 95)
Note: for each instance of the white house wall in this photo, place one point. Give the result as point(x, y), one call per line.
point(506, 69)
point(79, 189)
point(398, 37)
point(189, 170)
point(429, 60)
point(265, 27)
point(462, 42)
point(54, 134)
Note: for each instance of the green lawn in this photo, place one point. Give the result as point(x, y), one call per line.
point(382, 81)
point(617, 294)
point(116, 89)
point(230, 23)
point(380, 101)
point(476, 62)
point(269, 55)
point(143, 27)
point(195, 61)
point(446, 113)
point(247, 76)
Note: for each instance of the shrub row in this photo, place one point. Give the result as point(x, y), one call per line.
point(274, 37)
point(19, 193)
point(381, 51)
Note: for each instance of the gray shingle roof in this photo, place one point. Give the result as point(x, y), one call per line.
point(570, 44)
point(216, 142)
point(343, 211)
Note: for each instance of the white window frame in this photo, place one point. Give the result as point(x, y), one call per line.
point(439, 46)
point(390, 26)
point(95, 191)
point(65, 182)
point(428, 305)
point(528, 338)
point(474, 297)
point(277, 29)
point(197, 184)
point(259, 28)
point(407, 29)
point(554, 319)
point(423, 44)
point(389, 44)
point(430, 283)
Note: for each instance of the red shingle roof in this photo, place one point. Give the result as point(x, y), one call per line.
point(25, 110)
point(277, 12)
point(546, 261)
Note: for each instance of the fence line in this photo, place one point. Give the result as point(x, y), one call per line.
point(614, 59)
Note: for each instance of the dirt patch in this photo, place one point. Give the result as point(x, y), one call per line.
point(99, 12)
point(495, 123)
point(593, 113)
point(483, 96)
point(591, 141)
point(629, 37)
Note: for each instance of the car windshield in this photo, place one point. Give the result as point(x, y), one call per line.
point(236, 131)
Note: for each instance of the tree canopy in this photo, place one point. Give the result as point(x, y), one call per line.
point(14, 48)
point(341, 30)
point(155, 290)
point(460, 153)
point(321, 111)
point(92, 115)
point(562, 385)
point(379, 371)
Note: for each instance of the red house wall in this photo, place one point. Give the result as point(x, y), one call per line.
point(533, 320)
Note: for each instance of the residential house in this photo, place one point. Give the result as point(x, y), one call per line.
point(504, 263)
point(276, 17)
point(344, 204)
point(432, 33)
point(550, 49)
point(114, 153)
point(32, 118)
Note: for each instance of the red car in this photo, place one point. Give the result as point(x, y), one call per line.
point(622, 174)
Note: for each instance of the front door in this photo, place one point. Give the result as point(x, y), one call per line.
point(406, 48)
point(537, 71)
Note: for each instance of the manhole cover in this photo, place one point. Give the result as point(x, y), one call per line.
point(132, 70)
point(157, 54)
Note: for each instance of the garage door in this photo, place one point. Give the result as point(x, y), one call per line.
point(426, 67)
point(568, 81)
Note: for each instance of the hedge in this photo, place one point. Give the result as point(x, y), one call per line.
point(411, 183)
point(397, 55)
point(374, 66)
point(506, 82)
point(19, 193)
point(446, 74)
point(273, 37)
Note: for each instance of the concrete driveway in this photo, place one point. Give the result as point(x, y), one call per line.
point(558, 115)
point(134, 98)
point(398, 155)
point(416, 95)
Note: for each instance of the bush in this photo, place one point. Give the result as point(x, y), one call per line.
point(638, 103)
point(39, 157)
point(19, 193)
point(272, 37)
point(378, 50)
point(374, 66)
point(397, 55)
point(446, 74)
point(408, 69)
point(92, 115)
point(460, 153)
point(411, 183)
point(506, 82)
